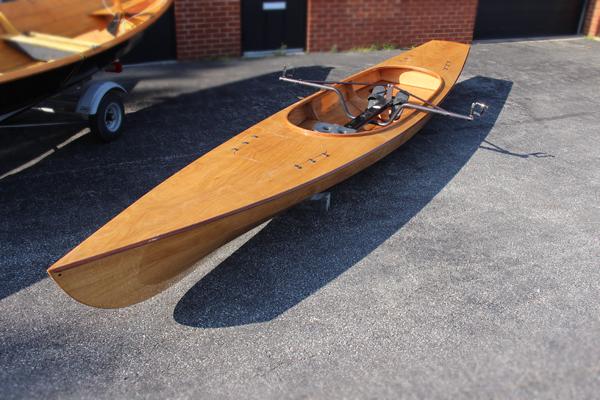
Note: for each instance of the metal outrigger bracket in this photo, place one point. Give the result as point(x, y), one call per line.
point(477, 108)
point(317, 85)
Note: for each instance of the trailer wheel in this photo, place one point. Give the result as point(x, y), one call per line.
point(107, 123)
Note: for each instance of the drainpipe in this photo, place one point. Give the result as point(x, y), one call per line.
point(582, 17)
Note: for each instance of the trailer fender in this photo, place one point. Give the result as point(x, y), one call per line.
point(93, 94)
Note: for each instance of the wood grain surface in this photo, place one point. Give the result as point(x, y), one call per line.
point(67, 25)
point(245, 181)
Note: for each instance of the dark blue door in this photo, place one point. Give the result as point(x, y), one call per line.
point(158, 42)
point(523, 18)
point(270, 24)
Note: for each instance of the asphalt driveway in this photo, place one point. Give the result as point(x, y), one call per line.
point(464, 265)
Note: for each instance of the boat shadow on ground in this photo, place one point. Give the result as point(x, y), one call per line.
point(49, 208)
point(300, 251)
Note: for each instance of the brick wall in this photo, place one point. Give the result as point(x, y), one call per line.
point(207, 28)
point(592, 19)
point(350, 23)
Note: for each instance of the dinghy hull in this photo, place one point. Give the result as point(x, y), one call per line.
point(26, 79)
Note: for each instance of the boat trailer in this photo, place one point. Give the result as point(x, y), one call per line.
point(97, 103)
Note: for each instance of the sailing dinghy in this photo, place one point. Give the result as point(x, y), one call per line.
point(299, 151)
point(47, 46)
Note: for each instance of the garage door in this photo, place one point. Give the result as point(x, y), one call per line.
point(269, 25)
point(523, 18)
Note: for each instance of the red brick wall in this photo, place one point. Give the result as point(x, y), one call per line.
point(207, 28)
point(350, 23)
point(592, 19)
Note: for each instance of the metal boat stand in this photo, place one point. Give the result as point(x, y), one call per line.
point(99, 104)
point(317, 202)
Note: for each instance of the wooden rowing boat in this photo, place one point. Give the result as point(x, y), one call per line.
point(250, 178)
point(49, 45)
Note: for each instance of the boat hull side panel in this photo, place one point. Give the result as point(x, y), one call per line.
point(136, 274)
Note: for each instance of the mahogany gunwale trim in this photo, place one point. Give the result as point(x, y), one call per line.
point(422, 119)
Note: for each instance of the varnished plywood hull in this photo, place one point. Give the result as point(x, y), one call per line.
point(133, 275)
point(240, 184)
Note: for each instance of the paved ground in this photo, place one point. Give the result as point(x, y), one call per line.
point(464, 265)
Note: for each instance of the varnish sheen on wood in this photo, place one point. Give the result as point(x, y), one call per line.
point(80, 28)
point(245, 181)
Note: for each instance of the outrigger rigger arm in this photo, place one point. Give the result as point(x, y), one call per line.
point(378, 103)
point(320, 85)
